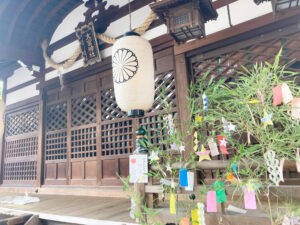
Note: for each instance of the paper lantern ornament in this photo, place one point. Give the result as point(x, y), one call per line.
point(133, 74)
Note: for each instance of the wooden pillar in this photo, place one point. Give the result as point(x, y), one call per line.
point(99, 148)
point(182, 91)
point(2, 136)
point(41, 130)
point(41, 136)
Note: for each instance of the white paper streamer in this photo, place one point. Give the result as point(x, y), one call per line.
point(190, 186)
point(201, 217)
point(298, 160)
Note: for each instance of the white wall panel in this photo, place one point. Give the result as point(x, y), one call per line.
point(20, 76)
point(22, 94)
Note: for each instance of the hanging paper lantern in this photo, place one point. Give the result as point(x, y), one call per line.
point(133, 74)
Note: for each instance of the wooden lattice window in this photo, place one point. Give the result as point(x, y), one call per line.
point(21, 147)
point(56, 146)
point(117, 138)
point(167, 82)
point(20, 171)
point(156, 128)
point(109, 107)
point(21, 123)
point(57, 116)
point(84, 110)
point(83, 143)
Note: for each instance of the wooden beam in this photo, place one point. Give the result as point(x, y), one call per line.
point(18, 87)
point(239, 29)
point(220, 3)
point(14, 19)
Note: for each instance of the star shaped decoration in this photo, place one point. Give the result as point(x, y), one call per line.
point(223, 142)
point(267, 120)
point(154, 156)
point(199, 119)
point(182, 148)
point(173, 146)
point(203, 154)
point(231, 127)
point(169, 168)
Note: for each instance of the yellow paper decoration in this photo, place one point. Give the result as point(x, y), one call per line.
point(253, 101)
point(204, 154)
point(267, 119)
point(195, 217)
point(172, 203)
point(199, 118)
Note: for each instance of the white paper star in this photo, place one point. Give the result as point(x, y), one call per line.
point(231, 127)
point(182, 148)
point(169, 168)
point(223, 142)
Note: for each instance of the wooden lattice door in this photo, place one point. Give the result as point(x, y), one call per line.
point(21, 144)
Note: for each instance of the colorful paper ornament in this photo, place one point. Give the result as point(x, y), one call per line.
point(203, 155)
point(173, 146)
point(267, 120)
point(211, 201)
point(296, 108)
point(190, 186)
point(222, 143)
point(275, 168)
point(232, 179)
point(235, 170)
point(213, 147)
point(195, 141)
point(205, 102)
point(286, 94)
point(233, 208)
point(185, 221)
point(253, 101)
point(169, 168)
point(183, 177)
point(201, 216)
point(220, 191)
point(173, 203)
point(194, 216)
point(298, 160)
point(154, 156)
point(225, 126)
point(132, 209)
point(249, 199)
point(199, 119)
point(277, 95)
point(261, 97)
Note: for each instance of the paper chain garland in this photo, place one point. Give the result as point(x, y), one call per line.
point(275, 168)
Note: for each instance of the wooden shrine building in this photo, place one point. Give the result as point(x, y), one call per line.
point(75, 139)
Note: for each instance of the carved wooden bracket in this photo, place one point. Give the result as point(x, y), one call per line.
point(97, 14)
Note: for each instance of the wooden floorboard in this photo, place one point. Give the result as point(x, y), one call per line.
point(97, 208)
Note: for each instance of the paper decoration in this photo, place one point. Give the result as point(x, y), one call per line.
point(249, 199)
point(170, 123)
point(185, 221)
point(203, 155)
point(211, 202)
point(169, 168)
point(277, 95)
point(220, 191)
point(132, 208)
point(199, 119)
point(294, 220)
point(267, 120)
point(201, 216)
point(213, 147)
point(196, 141)
point(296, 108)
point(222, 143)
point(154, 156)
point(298, 160)
point(235, 170)
point(173, 146)
point(274, 168)
point(168, 183)
point(173, 203)
point(235, 209)
point(286, 94)
point(182, 148)
point(183, 177)
point(190, 186)
point(261, 97)
point(205, 102)
point(232, 179)
point(253, 101)
point(138, 167)
point(225, 126)
point(194, 216)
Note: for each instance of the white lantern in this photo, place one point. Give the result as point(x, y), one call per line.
point(133, 74)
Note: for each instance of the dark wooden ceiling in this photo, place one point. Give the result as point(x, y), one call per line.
point(24, 24)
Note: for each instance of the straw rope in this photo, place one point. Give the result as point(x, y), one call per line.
point(110, 40)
